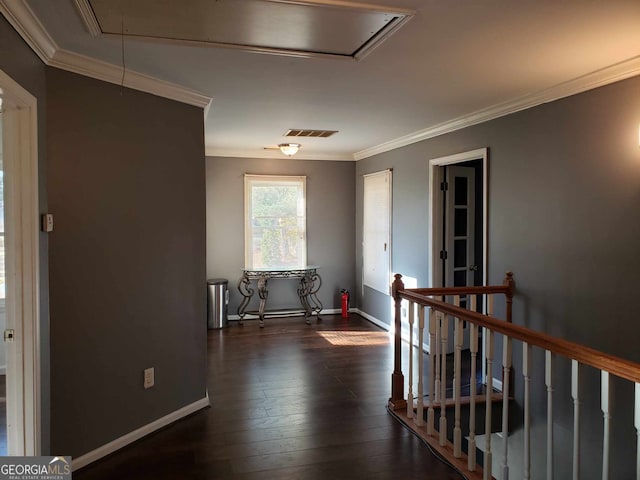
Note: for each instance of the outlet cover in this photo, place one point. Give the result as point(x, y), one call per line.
point(149, 377)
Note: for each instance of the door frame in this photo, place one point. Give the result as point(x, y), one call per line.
point(435, 200)
point(20, 158)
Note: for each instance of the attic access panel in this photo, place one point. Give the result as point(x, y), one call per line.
point(286, 27)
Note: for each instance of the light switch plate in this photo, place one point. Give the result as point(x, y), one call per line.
point(149, 377)
point(47, 222)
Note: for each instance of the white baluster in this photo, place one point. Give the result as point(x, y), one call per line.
point(637, 425)
point(548, 378)
point(457, 360)
point(489, 312)
point(606, 415)
point(410, 392)
point(506, 372)
point(420, 412)
point(444, 330)
point(432, 371)
point(489, 352)
point(526, 373)
point(575, 394)
point(473, 347)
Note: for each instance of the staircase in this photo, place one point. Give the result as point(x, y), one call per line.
point(452, 420)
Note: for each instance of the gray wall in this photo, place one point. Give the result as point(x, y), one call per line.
point(330, 224)
point(19, 62)
point(564, 191)
point(127, 273)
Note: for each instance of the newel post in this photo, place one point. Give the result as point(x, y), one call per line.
point(397, 400)
point(510, 283)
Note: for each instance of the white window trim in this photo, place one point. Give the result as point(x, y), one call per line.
point(248, 230)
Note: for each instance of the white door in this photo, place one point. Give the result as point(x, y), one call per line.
point(459, 227)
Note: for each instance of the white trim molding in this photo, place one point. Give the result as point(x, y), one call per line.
point(277, 154)
point(434, 231)
point(604, 76)
point(372, 319)
point(108, 72)
point(20, 133)
point(22, 18)
point(118, 443)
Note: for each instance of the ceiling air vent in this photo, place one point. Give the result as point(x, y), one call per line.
point(309, 133)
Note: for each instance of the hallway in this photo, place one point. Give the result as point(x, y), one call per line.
point(290, 401)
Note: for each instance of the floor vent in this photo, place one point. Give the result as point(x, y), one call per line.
point(309, 133)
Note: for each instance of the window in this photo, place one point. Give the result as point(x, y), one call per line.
point(376, 231)
point(275, 222)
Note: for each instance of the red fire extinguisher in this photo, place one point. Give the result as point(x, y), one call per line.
point(345, 303)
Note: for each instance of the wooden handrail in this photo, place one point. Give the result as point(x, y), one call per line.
point(588, 356)
point(397, 399)
point(446, 330)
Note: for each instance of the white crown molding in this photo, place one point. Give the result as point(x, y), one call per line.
point(22, 18)
point(108, 72)
point(276, 154)
point(605, 76)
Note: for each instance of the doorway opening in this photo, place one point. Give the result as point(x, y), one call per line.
point(20, 253)
point(458, 223)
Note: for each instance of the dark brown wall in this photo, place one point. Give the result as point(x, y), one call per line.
point(126, 181)
point(19, 62)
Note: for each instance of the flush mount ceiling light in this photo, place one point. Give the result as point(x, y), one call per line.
point(289, 149)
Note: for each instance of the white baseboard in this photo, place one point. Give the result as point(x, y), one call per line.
point(137, 434)
point(497, 384)
point(371, 318)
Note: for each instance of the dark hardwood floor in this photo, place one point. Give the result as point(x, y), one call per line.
point(290, 401)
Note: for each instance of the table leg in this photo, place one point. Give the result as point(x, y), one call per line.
point(244, 287)
point(309, 286)
point(263, 293)
point(314, 301)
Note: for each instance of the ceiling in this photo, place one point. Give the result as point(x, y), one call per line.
point(452, 64)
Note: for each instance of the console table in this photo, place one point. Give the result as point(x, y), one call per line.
point(310, 283)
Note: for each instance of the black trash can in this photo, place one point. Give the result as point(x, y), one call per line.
point(217, 301)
